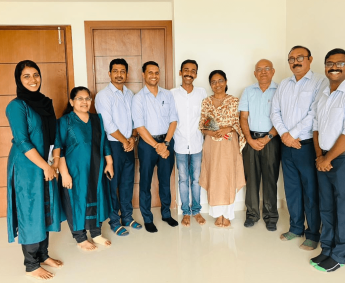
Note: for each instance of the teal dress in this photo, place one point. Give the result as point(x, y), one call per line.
point(25, 180)
point(74, 137)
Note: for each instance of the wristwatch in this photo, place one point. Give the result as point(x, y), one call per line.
point(135, 138)
point(270, 136)
point(166, 143)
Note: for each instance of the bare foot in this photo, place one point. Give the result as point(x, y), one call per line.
point(102, 241)
point(185, 221)
point(219, 221)
point(87, 246)
point(41, 273)
point(226, 222)
point(201, 220)
point(53, 262)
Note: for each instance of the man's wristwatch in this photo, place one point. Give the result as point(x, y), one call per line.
point(270, 136)
point(135, 138)
point(166, 143)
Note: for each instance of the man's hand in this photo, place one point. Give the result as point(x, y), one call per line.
point(265, 140)
point(165, 154)
point(289, 141)
point(161, 148)
point(256, 144)
point(322, 164)
point(131, 141)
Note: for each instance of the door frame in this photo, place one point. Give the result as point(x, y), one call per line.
point(68, 50)
point(90, 26)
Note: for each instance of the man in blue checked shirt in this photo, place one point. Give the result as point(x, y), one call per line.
point(261, 155)
point(329, 142)
point(292, 117)
point(114, 103)
point(155, 119)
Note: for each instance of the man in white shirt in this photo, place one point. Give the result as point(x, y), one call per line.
point(189, 140)
point(329, 142)
point(292, 117)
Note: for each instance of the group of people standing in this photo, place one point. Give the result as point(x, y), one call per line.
point(221, 144)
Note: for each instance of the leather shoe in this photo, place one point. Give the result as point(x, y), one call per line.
point(249, 222)
point(271, 226)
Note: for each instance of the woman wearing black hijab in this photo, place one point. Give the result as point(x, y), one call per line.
point(33, 204)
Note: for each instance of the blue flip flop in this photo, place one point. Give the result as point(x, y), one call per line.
point(134, 225)
point(120, 231)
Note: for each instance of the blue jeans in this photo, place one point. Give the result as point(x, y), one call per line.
point(189, 166)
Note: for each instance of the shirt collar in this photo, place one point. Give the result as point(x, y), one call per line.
point(114, 89)
point(184, 91)
point(308, 76)
point(273, 85)
point(341, 88)
point(146, 90)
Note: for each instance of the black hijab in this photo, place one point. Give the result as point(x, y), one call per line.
point(41, 104)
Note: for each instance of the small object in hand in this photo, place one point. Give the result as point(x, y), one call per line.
point(108, 175)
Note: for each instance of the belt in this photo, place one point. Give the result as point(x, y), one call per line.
point(160, 137)
point(306, 141)
point(257, 135)
point(324, 152)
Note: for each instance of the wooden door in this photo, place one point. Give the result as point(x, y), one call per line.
point(51, 48)
point(137, 43)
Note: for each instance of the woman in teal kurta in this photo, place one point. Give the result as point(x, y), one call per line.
point(85, 161)
point(33, 203)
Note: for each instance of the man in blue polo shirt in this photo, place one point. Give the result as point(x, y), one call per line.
point(114, 104)
point(292, 117)
point(261, 155)
point(329, 142)
point(155, 119)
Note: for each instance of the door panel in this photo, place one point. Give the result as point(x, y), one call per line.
point(35, 45)
point(5, 141)
point(4, 100)
point(3, 175)
point(3, 198)
point(116, 43)
point(8, 85)
point(153, 49)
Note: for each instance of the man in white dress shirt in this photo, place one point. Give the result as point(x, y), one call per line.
point(292, 117)
point(329, 142)
point(189, 140)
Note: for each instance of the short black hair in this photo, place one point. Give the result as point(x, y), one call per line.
point(118, 61)
point(149, 63)
point(300, 46)
point(333, 52)
point(219, 72)
point(190, 61)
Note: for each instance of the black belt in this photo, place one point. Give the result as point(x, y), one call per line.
point(160, 137)
point(306, 141)
point(257, 135)
point(324, 152)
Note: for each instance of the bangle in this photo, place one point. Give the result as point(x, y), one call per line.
point(55, 157)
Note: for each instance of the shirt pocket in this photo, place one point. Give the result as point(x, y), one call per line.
point(304, 99)
point(165, 109)
point(336, 118)
point(196, 111)
point(268, 107)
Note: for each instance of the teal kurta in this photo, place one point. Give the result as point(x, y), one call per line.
point(25, 180)
point(74, 137)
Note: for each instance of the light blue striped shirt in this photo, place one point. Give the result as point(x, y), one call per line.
point(115, 108)
point(291, 106)
point(155, 113)
point(329, 118)
point(258, 104)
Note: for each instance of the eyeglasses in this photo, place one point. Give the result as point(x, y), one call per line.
point(338, 64)
point(80, 99)
point(219, 82)
point(291, 60)
point(267, 69)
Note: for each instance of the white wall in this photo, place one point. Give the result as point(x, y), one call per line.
point(316, 24)
point(74, 14)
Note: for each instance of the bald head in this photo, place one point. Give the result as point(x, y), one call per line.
point(264, 71)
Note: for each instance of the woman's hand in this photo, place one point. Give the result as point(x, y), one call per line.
point(223, 131)
point(49, 173)
point(67, 181)
point(109, 170)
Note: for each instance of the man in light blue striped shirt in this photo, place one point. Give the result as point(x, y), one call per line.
point(292, 117)
point(155, 118)
point(114, 103)
point(329, 142)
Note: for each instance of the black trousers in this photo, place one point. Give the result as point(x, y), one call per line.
point(265, 164)
point(34, 254)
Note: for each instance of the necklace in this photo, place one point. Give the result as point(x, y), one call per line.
point(219, 99)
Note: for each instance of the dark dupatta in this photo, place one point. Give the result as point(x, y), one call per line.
point(43, 106)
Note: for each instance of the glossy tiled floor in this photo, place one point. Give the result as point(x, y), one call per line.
point(196, 254)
